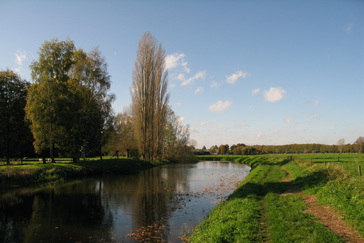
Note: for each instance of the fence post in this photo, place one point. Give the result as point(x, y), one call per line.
point(325, 163)
point(359, 169)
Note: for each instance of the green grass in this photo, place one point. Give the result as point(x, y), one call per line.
point(337, 184)
point(238, 219)
point(285, 217)
point(34, 172)
point(277, 218)
point(288, 223)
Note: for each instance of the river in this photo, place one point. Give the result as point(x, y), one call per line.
point(160, 205)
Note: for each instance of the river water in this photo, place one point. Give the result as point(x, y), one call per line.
point(158, 205)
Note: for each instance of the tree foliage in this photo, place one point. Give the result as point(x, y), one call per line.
point(149, 97)
point(68, 104)
point(15, 137)
point(123, 140)
point(176, 140)
point(242, 149)
point(359, 145)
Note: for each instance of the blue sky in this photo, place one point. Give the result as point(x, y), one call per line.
point(253, 72)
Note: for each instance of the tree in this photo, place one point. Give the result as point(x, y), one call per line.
point(340, 147)
point(47, 95)
point(176, 140)
point(14, 131)
point(123, 139)
point(93, 81)
point(224, 149)
point(149, 97)
point(68, 104)
point(214, 149)
point(359, 144)
point(340, 144)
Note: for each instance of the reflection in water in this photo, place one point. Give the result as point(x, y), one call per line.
point(160, 204)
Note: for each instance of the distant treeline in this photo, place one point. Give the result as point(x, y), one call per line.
point(242, 149)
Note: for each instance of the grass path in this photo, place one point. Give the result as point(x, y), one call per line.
point(284, 200)
point(325, 214)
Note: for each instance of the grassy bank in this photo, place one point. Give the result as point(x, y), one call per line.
point(260, 210)
point(33, 172)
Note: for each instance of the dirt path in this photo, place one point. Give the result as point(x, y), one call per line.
point(325, 214)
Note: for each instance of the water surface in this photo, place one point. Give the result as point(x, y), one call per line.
point(160, 204)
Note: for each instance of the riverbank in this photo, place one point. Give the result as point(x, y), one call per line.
point(283, 199)
point(32, 172)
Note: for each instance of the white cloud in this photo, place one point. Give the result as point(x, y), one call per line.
point(289, 119)
point(177, 60)
point(181, 70)
point(20, 56)
point(199, 90)
point(215, 84)
point(173, 60)
point(274, 94)
point(256, 91)
point(315, 116)
point(199, 75)
point(250, 107)
point(185, 67)
point(181, 76)
point(234, 77)
point(220, 106)
point(204, 123)
point(180, 119)
point(316, 103)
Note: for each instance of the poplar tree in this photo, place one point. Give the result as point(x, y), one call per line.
point(149, 97)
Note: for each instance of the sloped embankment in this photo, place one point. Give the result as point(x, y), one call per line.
point(266, 207)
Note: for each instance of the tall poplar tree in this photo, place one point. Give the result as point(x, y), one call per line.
point(149, 97)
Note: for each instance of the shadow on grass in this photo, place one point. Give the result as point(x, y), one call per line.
point(315, 179)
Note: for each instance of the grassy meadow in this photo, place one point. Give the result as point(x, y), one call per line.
point(33, 171)
point(260, 210)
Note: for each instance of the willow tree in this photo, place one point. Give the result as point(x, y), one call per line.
point(149, 97)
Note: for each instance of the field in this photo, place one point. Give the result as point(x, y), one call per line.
point(306, 198)
point(33, 171)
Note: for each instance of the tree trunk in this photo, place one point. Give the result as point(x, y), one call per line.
point(100, 153)
point(51, 152)
point(7, 153)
